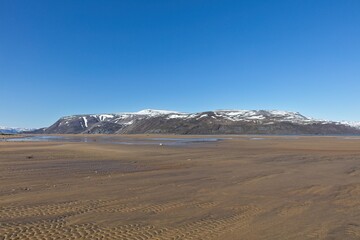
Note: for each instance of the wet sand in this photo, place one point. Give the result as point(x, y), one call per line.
point(247, 187)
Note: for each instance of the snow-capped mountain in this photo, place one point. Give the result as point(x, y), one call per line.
point(210, 122)
point(12, 130)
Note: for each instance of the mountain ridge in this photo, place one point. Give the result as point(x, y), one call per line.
point(14, 130)
point(208, 122)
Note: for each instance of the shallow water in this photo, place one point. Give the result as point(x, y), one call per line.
point(115, 140)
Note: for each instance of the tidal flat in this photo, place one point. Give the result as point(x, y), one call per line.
point(229, 187)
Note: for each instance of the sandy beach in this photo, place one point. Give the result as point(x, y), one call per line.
point(246, 187)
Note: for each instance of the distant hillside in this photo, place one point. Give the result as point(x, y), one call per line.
point(10, 130)
point(211, 122)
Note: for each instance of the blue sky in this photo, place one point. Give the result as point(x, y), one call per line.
point(70, 57)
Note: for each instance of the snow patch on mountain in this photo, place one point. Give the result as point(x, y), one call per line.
point(103, 117)
point(154, 112)
point(85, 121)
point(262, 115)
point(351, 124)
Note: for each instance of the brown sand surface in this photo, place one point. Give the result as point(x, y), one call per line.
point(240, 188)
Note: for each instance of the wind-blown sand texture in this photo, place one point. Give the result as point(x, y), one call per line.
point(243, 188)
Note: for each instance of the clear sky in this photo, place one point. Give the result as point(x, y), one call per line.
point(71, 57)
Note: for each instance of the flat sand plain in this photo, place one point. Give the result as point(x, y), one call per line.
point(240, 188)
